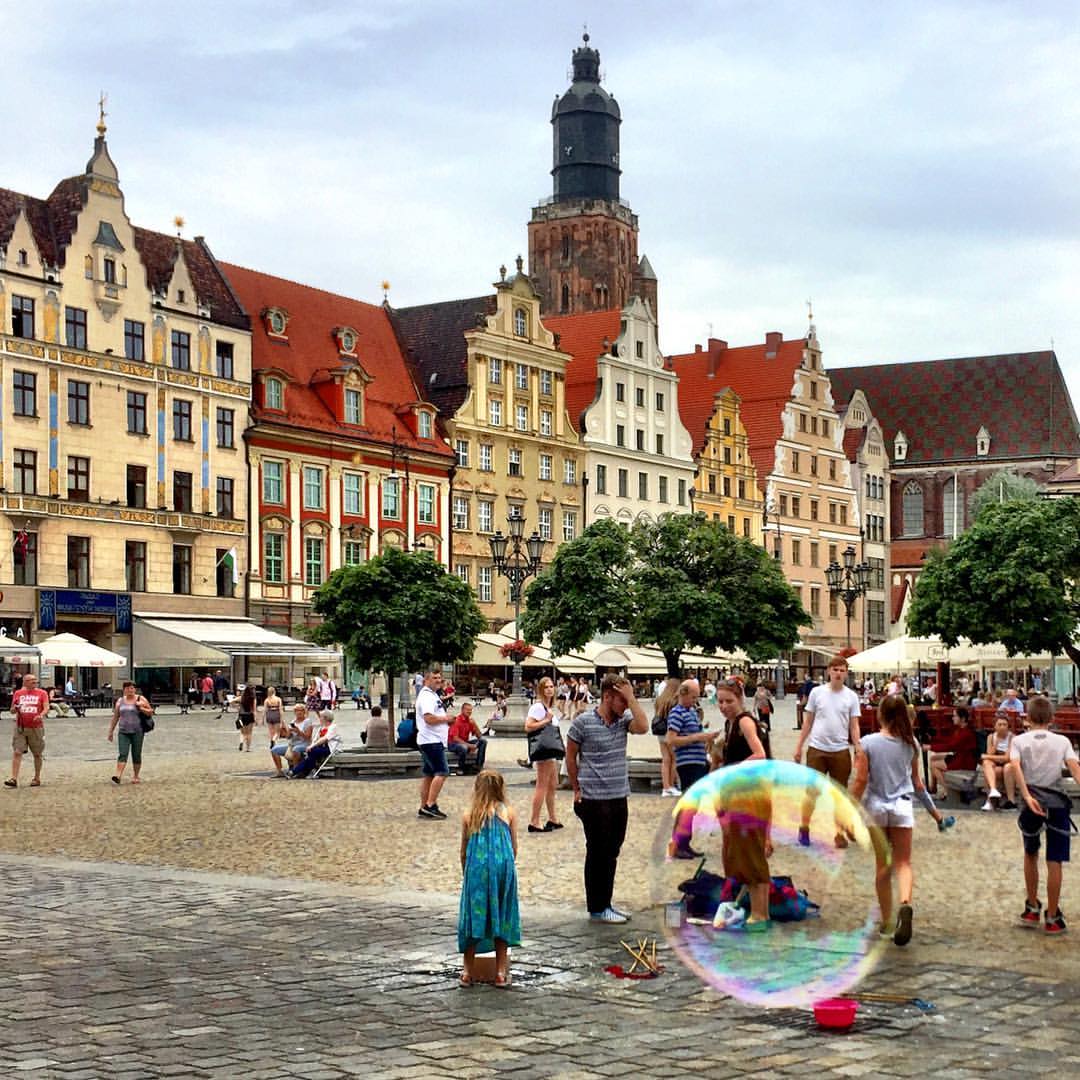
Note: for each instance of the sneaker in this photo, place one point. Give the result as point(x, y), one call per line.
point(993, 793)
point(1056, 925)
point(946, 823)
point(619, 911)
point(671, 793)
point(841, 841)
point(903, 925)
point(685, 853)
point(885, 930)
point(987, 807)
point(435, 812)
point(1007, 804)
point(1030, 916)
point(425, 811)
point(804, 838)
point(608, 915)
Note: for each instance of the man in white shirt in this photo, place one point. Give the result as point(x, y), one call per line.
point(830, 724)
point(432, 727)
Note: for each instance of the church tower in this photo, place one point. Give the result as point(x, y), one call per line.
point(583, 239)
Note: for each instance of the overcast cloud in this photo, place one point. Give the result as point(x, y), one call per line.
point(912, 167)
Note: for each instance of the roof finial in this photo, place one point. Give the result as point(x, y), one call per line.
point(386, 292)
point(102, 100)
point(519, 262)
point(502, 272)
point(810, 310)
point(585, 33)
point(179, 223)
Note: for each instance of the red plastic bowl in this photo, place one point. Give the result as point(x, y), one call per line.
point(836, 1012)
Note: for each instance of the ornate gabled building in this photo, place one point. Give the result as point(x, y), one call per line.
point(498, 377)
point(125, 376)
point(346, 457)
point(624, 398)
point(583, 239)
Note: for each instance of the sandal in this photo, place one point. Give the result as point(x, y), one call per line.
point(465, 982)
point(134, 779)
point(35, 783)
point(11, 783)
point(115, 779)
point(502, 982)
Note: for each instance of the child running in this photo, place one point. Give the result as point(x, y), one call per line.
point(887, 771)
point(488, 917)
point(1037, 757)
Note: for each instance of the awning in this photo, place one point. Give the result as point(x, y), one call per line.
point(18, 652)
point(161, 641)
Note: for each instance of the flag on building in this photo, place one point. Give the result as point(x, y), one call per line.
point(228, 560)
point(22, 546)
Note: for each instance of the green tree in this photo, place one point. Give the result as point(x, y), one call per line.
point(680, 582)
point(1010, 578)
point(1002, 487)
point(398, 612)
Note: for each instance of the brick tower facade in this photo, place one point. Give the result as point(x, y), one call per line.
point(583, 239)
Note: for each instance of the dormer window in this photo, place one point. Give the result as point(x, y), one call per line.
point(24, 258)
point(346, 340)
point(900, 447)
point(982, 442)
point(277, 319)
point(181, 296)
point(274, 393)
point(423, 424)
point(521, 322)
point(354, 404)
point(109, 272)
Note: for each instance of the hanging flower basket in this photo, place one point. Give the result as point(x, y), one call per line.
point(516, 651)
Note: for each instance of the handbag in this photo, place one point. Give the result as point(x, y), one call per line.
point(146, 720)
point(546, 744)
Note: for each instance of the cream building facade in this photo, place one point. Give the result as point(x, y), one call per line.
point(125, 368)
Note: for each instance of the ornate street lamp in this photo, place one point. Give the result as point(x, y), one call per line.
point(766, 528)
point(516, 560)
point(848, 582)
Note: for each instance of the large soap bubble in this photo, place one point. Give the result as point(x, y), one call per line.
point(739, 815)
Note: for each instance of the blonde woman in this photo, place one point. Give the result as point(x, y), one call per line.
point(665, 702)
point(542, 714)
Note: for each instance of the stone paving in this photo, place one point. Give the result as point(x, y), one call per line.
point(158, 970)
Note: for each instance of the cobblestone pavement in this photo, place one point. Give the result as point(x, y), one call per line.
point(133, 972)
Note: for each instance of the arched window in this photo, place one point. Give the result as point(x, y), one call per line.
point(521, 323)
point(564, 307)
point(912, 501)
point(566, 245)
point(952, 509)
point(275, 393)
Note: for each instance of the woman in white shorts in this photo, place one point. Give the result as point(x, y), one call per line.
point(886, 778)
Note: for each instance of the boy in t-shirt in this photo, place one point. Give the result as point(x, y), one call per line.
point(1036, 758)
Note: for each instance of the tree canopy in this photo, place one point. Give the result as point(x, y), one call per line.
point(680, 582)
point(398, 612)
point(1010, 578)
point(1002, 487)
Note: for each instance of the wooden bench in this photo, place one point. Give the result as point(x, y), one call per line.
point(360, 761)
point(969, 787)
point(643, 773)
point(180, 700)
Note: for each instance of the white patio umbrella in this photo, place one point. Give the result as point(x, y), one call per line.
point(18, 652)
point(905, 653)
point(70, 650)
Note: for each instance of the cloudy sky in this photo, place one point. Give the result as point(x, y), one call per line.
point(912, 167)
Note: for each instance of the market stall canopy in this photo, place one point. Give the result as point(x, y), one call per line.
point(904, 653)
point(70, 650)
point(163, 641)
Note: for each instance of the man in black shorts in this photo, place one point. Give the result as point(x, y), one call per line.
point(432, 728)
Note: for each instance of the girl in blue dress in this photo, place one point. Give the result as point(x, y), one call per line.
point(488, 918)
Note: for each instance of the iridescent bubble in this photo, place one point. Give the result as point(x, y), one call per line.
point(745, 821)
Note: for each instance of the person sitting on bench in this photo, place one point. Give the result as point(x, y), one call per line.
point(464, 737)
point(327, 742)
point(953, 750)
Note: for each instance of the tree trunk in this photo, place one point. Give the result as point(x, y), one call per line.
point(674, 670)
point(1073, 653)
point(391, 726)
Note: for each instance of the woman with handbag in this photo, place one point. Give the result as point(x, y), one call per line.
point(245, 722)
point(128, 714)
point(545, 751)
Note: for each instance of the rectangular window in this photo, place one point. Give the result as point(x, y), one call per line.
point(223, 574)
point(273, 482)
point(483, 584)
point(391, 498)
point(796, 506)
point(569, 524)
point(181, 487)
point(461, 453)
point(875, 614)
point(843, 513)
point(75, 327)
point(181, 569)
point(25, 556)
point(813, 553)
point(746, 527)
point(569, 471)
point(544, 523)
point(834, 608)
point(313, 560)
point(682, 492)
point(813, 425)
point(462, 571)
point(78, 402)
point(727, 455)
point(521, 418)
point(136, 413)
point(659, 402)
point(802, 421)
point(78, 562)
point(731, 523)
point(224, 497)
point(832, 468)
point(353, 552)
point(224, 362)
point(495, 371)
point(620, 391)
point(136, 487)
point(352, 407)
point(521, 377)
point(620, 435)
point(877, 573)
point(796, 553)
point(181, 420)
point(514, 462)
point(274, 558)
point(815, 600)
point(495, 412)
point(24, 472)
point(546, 383)
point(742, 489)
point(813, 391)
point(424, 424)
point(425, 504)
point(486, 458)
point(727, 425)
point(662, 489)
point(134, 343)
point(78, 479)
point(225, 428)
point(642, 485)
point(485, 516)
point(601, 479)
point(313, 488)
point(727, 487)
point(783, 505)
point(813, 509)
point(24, 396)
point(108, 271)
point(639, 436)
point(135, 565)
point(461, 513)
point(660, 444)
point(711, 485)
point(22, 316)
point(832, 513)
point(545, 466)
point(639, 397)
point(181, 350)
point(351, 494)
point(624, 483)
point(824, 427)
point(794, 461)
point(545, 422)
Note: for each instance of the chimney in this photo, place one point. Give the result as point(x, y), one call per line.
point(697, 348)
point(772, 344)
point(716, 349)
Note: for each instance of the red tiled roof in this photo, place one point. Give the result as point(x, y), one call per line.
point(763, 384)
point(853, 439)
point(583, 337)
point(1021, 399)
point(911, 553)
point(898, 593)
point(311, 351)
point(1070, 473)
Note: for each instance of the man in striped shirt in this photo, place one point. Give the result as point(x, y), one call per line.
point(596, 765)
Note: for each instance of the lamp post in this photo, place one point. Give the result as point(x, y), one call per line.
point(848, 582)
point(781, 663)
point(516, 559)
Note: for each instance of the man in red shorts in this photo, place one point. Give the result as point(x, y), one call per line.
point(29, 705)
